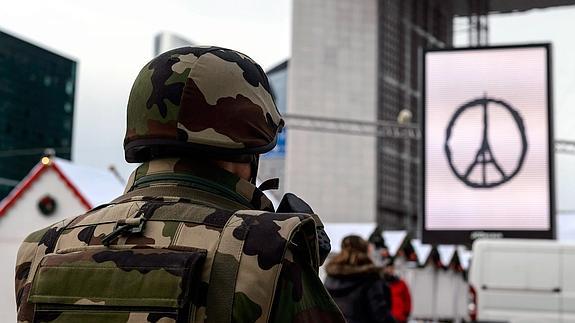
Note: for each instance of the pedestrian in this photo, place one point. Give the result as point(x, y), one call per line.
point(400, 295)
point(355, 283)
point(192, 239)
point(378, 250)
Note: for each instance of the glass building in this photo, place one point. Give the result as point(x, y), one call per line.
point(404, 29)
point(272, 164)
point(36, 107)
point(278, 82)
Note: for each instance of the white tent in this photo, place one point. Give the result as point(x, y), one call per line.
point(53, 190)
point(464, 255)
point(97, 186)
point(394, 240)
point(421, 281)
point(421, 250)
point(446, 253)
point(451, 286)
point(565, 226)
point(438, 287)
point(338, 231)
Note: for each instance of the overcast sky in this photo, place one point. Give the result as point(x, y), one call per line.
point(555, 26)
point(112, 40)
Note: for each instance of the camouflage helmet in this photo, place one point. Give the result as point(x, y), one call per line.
point(201, 101)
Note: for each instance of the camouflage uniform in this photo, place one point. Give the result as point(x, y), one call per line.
point(188, 239)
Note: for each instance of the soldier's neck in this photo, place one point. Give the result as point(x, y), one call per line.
point(200, 174)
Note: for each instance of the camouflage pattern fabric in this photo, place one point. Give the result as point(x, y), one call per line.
point(259, 266)
point(180, 101)
point(109, 279)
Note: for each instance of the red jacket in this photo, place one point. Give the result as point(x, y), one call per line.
point(400, 299)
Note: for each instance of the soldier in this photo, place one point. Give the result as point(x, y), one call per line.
point(192, 239)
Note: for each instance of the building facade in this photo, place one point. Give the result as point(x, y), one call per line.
point(405, 28)
point(166, 41)
point(37, 90)
point(360, 61)
point(333, 74)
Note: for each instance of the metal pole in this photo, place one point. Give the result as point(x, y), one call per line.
point(404, 118)
point(407, 183)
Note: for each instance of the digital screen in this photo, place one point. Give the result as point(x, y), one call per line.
point(487, 163)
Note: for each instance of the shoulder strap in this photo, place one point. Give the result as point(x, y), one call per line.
point(224, 272)
point(249, 258)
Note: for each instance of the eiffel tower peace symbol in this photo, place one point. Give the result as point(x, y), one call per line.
point(485, 155)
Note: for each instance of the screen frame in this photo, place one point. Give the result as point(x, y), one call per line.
point(466, 237)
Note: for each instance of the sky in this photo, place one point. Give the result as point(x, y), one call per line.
point(536, 26)
point(112, 40)
point(555, 26)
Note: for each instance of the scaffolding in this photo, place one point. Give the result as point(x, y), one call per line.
point(381, 129)
point(478, 22)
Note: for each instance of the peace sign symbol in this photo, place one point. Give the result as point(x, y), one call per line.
point(485, 156)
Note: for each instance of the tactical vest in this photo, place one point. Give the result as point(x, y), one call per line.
point(174, 258)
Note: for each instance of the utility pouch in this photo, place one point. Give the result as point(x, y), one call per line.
point(117, 285)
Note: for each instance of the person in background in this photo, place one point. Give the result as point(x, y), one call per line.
point(400, 296)
point(355, 284)
point(378, 250)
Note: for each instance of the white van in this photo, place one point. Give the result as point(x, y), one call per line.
point(520, 281)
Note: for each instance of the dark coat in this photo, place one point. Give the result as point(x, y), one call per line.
point(360, 293)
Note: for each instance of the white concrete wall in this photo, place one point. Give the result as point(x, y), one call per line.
point(332, 73)
point(23, 218)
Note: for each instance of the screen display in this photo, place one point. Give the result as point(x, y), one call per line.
point(487, 143)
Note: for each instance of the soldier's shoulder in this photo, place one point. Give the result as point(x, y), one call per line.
point(268, 234)
point(277, 216)
point(46, 233)
point(271, 221)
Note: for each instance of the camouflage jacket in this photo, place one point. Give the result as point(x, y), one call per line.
point(257, 277)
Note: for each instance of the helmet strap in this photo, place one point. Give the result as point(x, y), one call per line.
point(254, 165)
point(270, 184)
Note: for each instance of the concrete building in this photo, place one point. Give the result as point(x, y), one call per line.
point(165, 41)
point(358, 63)
point(333, 74)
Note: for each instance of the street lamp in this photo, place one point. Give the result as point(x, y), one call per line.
point(404, 118)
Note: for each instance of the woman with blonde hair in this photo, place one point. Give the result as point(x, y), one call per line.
point(355, 283)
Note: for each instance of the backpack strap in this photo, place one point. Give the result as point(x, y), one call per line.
point(225, 270)
point(248, 262)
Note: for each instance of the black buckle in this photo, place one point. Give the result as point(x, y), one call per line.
point(125, 226)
